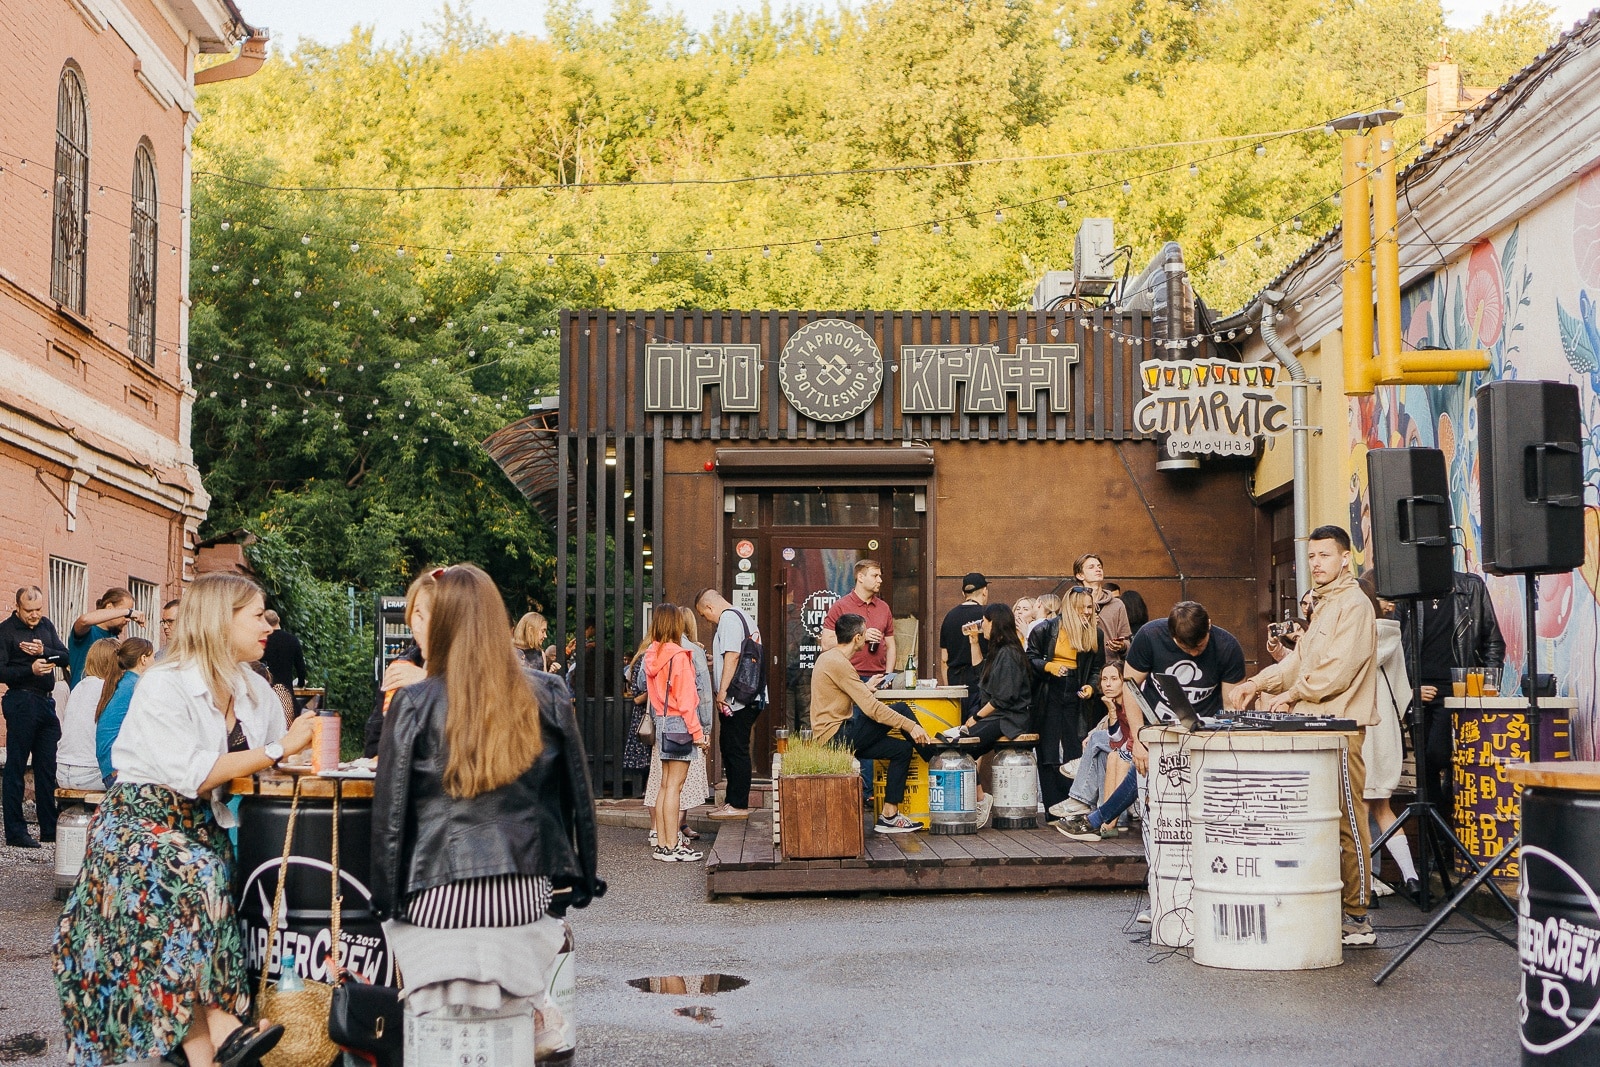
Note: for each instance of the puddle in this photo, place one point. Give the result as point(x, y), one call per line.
point(699, 1015)
point(692, 985)
point(22, 1047)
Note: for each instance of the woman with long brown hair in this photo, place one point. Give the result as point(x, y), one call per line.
point(149, 953)
point(674, 700)
point(1067, 658)
point(483, 822)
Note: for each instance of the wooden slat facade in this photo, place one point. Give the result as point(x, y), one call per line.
point(610, 474)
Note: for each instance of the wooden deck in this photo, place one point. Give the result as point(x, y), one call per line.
point(743, 861)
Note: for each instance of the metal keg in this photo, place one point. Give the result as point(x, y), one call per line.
point(953, 793)
point(72, 841)
point(1014, 776)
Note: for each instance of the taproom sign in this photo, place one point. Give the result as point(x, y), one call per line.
point(1210, 407)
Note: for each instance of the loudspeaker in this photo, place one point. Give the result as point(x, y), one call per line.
point(1410, 499)
point(1530, 483)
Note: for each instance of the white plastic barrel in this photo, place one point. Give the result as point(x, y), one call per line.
point(1171, 793)
point(1014, 777)
point(453, 1036)
point(1266, 853)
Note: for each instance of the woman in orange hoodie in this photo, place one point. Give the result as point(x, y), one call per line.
point(675, 704)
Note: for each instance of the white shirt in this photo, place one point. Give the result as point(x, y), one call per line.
point(174, 733)
point(77, 724)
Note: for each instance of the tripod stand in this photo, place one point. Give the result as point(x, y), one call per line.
point(1428, 817)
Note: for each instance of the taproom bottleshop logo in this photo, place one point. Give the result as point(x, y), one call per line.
point(1212, 406)
point(830, 370)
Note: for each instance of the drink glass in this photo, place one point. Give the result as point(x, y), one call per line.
point(780, 739)
point(1491, 681)
point(1475, 682)
point(1458, 681)
point(805, 735)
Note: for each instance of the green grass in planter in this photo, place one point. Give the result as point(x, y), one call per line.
point(815, 757)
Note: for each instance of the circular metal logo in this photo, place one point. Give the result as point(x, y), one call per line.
point(830, 370)
point(814, 611)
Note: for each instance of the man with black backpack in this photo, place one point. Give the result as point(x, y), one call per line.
point(736, 674)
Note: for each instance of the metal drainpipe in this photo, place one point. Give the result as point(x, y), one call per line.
point(1298, 384)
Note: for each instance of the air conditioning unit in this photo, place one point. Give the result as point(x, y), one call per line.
point(1094, 253)
point(1055, 286)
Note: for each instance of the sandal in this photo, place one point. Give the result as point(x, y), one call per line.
point(246, 1045)
point(688, 834)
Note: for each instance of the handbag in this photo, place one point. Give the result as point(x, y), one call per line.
point(302, 1014)
point(363, 1018)
point(647, 728)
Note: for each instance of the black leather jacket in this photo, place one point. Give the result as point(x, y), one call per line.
point(1475, 640)
point(541, 824)
point(1041, 646)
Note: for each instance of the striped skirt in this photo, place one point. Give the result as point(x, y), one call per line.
point(149, 933)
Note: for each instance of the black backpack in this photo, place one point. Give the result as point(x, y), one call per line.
point(748, 682)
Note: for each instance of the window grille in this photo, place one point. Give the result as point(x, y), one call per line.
point(68, 595)
point(146, 599)
point(68, 259)
point(142, 258)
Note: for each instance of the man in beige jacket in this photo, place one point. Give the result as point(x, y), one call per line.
point(1333, 671)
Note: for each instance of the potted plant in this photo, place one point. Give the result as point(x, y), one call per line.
point(819, 793)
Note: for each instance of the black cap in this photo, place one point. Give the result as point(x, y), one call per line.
point(973, 582)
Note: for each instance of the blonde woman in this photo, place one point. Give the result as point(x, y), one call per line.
point(529, 635)
point(481, 812)
point(1045, 607)
point(148, 955)
point(1067, 658)
point(1025, 611)
point(76, 767)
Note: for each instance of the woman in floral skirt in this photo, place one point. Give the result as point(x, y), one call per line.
point(148, 955)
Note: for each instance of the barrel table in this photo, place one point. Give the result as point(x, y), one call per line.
point(1242, 839)
point(304, 924)
point(1558, 922)
point(935, 709)
point(1491, 734)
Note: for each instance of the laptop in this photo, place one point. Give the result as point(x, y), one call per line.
point(1183, 713)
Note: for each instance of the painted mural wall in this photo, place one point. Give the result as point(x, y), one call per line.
point(1529, 295)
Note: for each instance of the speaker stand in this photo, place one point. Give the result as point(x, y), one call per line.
point(1435, 831)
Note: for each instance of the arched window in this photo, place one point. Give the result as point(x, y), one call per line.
point(68, 266)
point(142, 258)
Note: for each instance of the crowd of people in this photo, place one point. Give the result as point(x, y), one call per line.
point(483, 822)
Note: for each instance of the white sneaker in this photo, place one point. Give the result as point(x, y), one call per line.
point(985, 805)
point(1069, 769)
point(1070, 806)
point(652, 837)
point(1142, 917)
point(1381, 888)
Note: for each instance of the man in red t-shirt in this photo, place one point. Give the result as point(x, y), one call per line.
point(876, 656)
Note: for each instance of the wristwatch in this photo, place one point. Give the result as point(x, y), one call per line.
point(274, 751)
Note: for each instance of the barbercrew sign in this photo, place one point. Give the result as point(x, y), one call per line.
point(1210, 407)
point(831, 370)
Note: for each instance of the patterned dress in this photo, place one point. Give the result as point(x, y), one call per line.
point(149, 932)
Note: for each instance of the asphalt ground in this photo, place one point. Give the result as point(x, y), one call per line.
point(1012, 978)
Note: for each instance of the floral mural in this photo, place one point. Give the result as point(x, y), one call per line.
point(1528, 295)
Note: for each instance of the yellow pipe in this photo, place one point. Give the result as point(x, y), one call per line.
point(1435, 361)
point(1386, 255)
point(1432, 378)
point(1359, 373)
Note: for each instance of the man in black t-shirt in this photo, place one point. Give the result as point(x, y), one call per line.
point(1206, 660)
point(955, 650)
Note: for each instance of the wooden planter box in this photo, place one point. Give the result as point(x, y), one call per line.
point(821, 816)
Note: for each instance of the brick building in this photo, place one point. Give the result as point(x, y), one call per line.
point(98, 485)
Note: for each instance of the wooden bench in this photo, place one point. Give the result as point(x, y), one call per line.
point(87, 797)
